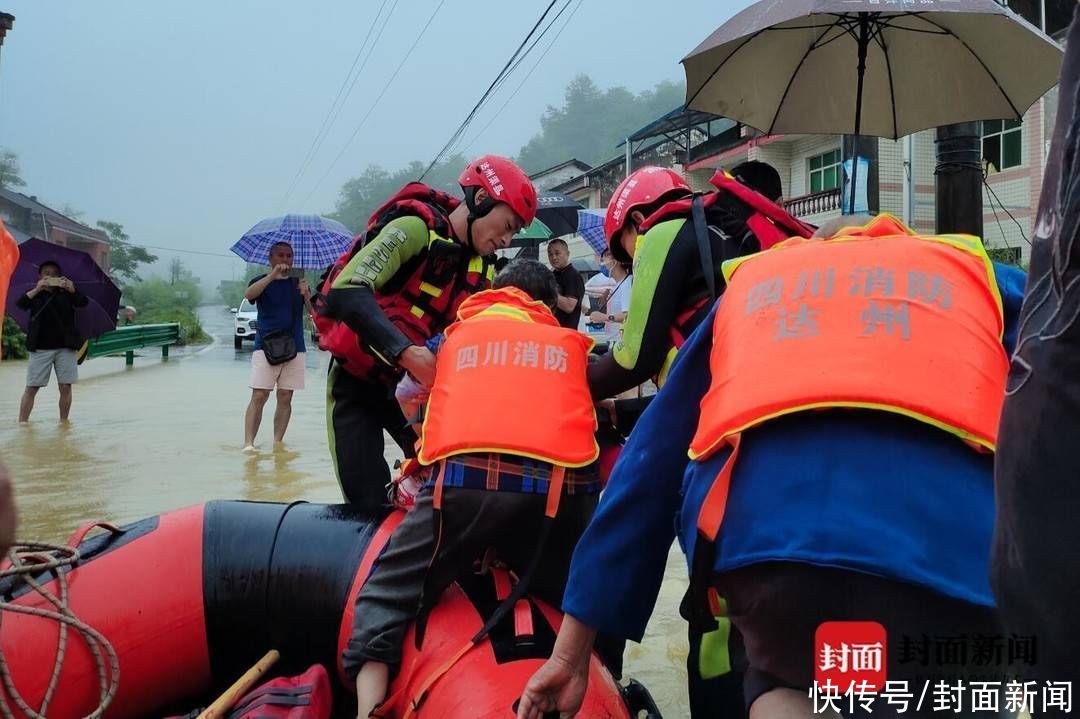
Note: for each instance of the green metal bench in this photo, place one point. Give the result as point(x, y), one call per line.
point(125, 340)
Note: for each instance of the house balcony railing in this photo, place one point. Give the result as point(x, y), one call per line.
point(814, 203)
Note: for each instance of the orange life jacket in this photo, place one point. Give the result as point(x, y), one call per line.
point(509, 379)
point(878, 318)
point(9, 257)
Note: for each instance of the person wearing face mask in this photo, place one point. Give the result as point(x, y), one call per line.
point(523, 484)
point(618, 298)
point(597, 289)
point(422, 254)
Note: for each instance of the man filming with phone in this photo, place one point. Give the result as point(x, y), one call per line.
point(52, 338)
point(281, 297)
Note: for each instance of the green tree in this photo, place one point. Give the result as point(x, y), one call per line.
point(14, 340)
point(124, 257)
point(71, 211)
point(9, 170)
point(158, 300)
point(362, 195)
point(592, 122)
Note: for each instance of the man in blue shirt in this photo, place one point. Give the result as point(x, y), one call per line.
point(835, 514)
point(280, 301)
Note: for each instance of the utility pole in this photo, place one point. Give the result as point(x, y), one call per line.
point(958, 179)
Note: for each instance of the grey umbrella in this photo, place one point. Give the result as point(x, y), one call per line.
point(875, 67)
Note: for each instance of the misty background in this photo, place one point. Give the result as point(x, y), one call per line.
point(188, 123)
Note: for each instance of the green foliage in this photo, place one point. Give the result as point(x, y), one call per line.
point(1007, 255)
point(157, 294)
point(14, 340)
point(362, 195)
point(231, 292)
point(9, 170)
point(158, 300)
point(592, 122)
point(191, 330)
point(588, 126)
point(124, 257)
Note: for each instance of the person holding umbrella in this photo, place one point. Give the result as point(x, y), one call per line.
point(52, 337)
point(288, 244)
point(280, 296)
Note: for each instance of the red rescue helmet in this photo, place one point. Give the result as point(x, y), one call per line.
point(641, 188)
point(503, 181)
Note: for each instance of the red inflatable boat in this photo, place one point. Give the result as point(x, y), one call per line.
point(192, 598)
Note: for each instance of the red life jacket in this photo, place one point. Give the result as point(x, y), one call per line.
point(423, 298)
point(768, 224)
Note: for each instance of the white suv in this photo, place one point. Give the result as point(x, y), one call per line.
point(245, 324)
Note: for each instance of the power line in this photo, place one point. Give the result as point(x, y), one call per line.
point(487, 93)
point(498, 112)
point(536, 41)
point(342, 95)
point(1006, 209)
point(177, 249)
point(375, 104)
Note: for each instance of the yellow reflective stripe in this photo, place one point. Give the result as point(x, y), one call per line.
point(504, 311)
point(417, 312)
point(476, 264)
point(430, 289)
point(665, 368)
point(972, 244)
point(380, 357)
point(956, 431)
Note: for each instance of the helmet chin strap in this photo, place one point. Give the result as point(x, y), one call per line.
point(476, 211)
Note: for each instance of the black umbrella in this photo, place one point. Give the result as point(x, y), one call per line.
point(558, 212)
point(868, 67)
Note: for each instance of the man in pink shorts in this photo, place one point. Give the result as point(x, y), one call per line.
point(281, 298)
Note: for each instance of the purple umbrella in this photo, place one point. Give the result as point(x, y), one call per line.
point(99, 315)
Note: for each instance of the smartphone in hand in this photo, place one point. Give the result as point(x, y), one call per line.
point(296, 273)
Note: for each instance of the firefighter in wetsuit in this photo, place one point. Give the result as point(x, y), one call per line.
point(650, 221)
point(401, 283)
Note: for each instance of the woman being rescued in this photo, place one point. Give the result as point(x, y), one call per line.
point(522, 482)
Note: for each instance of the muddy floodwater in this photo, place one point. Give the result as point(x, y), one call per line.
point(163, 435)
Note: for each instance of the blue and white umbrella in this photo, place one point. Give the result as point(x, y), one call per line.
point(316, 241)
point(591, 228)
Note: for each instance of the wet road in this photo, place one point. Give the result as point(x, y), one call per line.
point(163, 435)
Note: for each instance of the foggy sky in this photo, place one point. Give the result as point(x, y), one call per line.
point(187, 122)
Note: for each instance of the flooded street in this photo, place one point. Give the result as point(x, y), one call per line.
point(163, 435)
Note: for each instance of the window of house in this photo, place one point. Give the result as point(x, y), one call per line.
point(1001, 144)
point(1058, 16)
point(1027, 9)
point(824, 171)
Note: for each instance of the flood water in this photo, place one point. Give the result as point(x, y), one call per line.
point(163, 435)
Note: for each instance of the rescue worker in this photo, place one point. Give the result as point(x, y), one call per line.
point(840, 406)
point(650, 220)
point(522, 482)
point(650, 223)
point(402, 282)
